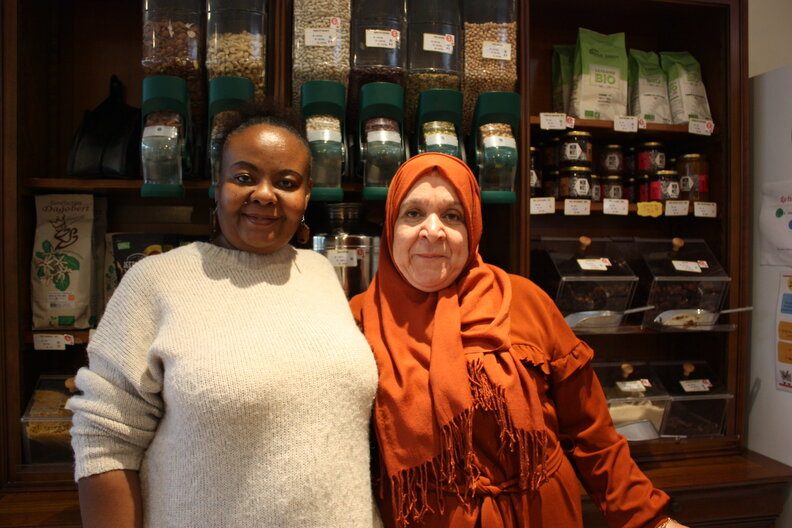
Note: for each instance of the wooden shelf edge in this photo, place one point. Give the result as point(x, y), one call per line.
point(600, 124)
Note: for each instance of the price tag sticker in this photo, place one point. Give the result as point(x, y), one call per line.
point(702, 127)
point(335, 22)
point(496, 50)
point(642, 124)
point(677, 208)
point(652, 209)
point(593, 264)
point(686, 265)
point(570, 121)
point(544, 205)
point(52, 341)
point(615, 206)
point(342, 258)
point(382, 38)
point(699, 385)
point(321, 37)
point(631, 386)
point(438, 43)
point(705, 209)
point(577, 207)
point(625, 124)
point(552, 121)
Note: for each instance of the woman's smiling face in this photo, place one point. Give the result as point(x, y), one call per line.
point(264, 188)
point(430, 239)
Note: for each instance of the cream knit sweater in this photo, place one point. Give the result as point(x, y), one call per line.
point(238, 385)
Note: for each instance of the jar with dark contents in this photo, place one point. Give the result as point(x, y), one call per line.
point(596, 188)
point(611, 159)
point(629, 160)
point(498, 157)
point(383, 151)
point(325, 139)
point(550, 154)
point(630, 189)
point(575, 148)
point(161, 148)
point(536, 172)
point(551, 183)
point(642, 186)
point(173, 44)
point(664, 185)
point(575, 182)
point(693, 170)
point(651, 157)
point(612, 187)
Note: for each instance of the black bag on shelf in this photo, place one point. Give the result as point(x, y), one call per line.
point(107, 144)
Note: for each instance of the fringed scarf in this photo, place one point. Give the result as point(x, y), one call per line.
point(442, 356)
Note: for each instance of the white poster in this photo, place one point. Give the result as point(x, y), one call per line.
point(784, 335)
point(775, 224)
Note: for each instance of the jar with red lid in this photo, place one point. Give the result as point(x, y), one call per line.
point(650, 157)
point(693, 170)
point(611, 159)
point(664, 185)
point(575, 148)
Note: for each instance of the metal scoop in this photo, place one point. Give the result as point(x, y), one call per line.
point(602, 321)
point(694, 319)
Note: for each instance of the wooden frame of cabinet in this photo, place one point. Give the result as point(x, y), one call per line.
point(50, 76)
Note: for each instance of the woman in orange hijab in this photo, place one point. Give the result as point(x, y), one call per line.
point(487, 405)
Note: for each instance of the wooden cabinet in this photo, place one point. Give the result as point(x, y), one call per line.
point(58, 56)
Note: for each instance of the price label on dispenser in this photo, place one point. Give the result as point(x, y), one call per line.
point(552, 121)
point(342, 258)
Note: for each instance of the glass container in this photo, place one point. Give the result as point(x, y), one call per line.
point(664, 185)
point(382, 142)
point(550, 183)
point(438, 122)
point(596, 188)
point(575, 148)
point(612, 187)
point(173, 44)
point(434, 56)
point(611, 159)
point(536, 172)
point(693, 170)
point(323, 109)
point(575, 182)
point(650, 157)
point(46, 423)
point(496, 121)
point(321, 43)
point(237, 41)
point(490, 50)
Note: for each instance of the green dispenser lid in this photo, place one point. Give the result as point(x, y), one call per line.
point(440, 105)
point(162, 190)
point(381, 99)
point(165, 92)
point(323, 97)
point(227, 92)
point(498, 107)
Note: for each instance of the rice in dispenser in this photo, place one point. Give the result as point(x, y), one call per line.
point(324, 111)
point(381, 136)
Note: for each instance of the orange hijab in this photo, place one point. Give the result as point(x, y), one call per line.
point(443, 356)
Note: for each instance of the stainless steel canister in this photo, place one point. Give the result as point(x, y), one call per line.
point(354, 258)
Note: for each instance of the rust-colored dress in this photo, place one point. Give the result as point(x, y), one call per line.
point(582, 442)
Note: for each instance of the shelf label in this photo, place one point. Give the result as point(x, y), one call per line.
point(382, 38)
point(438, 43)
point(52, 341)
point(625, 124)
point(686, 265)
point(577, 207)
point(677, 208)
point(653, 209)
point(632, 386)
point(325, 37)
point(705, 209)
point(600, 264)
point(615, 206)
point(552, 121)
point(342, 258)
point(702, 127)
point(642, 123)
point(544, 205)
point(699, 385)
point(496, 50)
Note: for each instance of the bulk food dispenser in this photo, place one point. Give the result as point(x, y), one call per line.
point(166, 138)
point(434, 49)
point(224, 94)
point(589, 280)
point(237, 41)
point(438, 123)
point(682, 279)
point(490, 50)
point(324, 110)
point(493, 146)
point(380, 136)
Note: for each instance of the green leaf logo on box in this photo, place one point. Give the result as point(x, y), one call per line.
point(599, 80)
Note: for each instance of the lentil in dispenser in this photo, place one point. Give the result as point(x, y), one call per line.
point(434, 56)
point(324, 110)
point(165, 142)
point(321, 43)
point(237, 41)
point(438, 122)
point(224, 94)
point(173, 44)
point(490, 50)
point(381, 136)
point(494, 150)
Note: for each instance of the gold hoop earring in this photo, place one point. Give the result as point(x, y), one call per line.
point(303, 232)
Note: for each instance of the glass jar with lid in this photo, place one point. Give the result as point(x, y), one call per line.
point(490, 50)
point(575, 182)
point(596, 188)
point(382, 142)
point(664, 185)
point(438, 122)
point(612, 187)
point(575, 148)
point(494, 157)
point(642, 185)
point(378, 32)
point(611, 159)
point(173, 44)
point(551, 183)
point(236, 43)
point(434, 56)
point(321, 43)
point(324, 111)
point(536, 172)
point(693, 170)
point(630, 189)
point(650, 157)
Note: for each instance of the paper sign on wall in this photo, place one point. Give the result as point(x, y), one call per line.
point(783, 351)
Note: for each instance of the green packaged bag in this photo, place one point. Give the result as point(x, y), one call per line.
point(599, 82)
point(563, 57)
point(686, 92)
point(648, 88)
